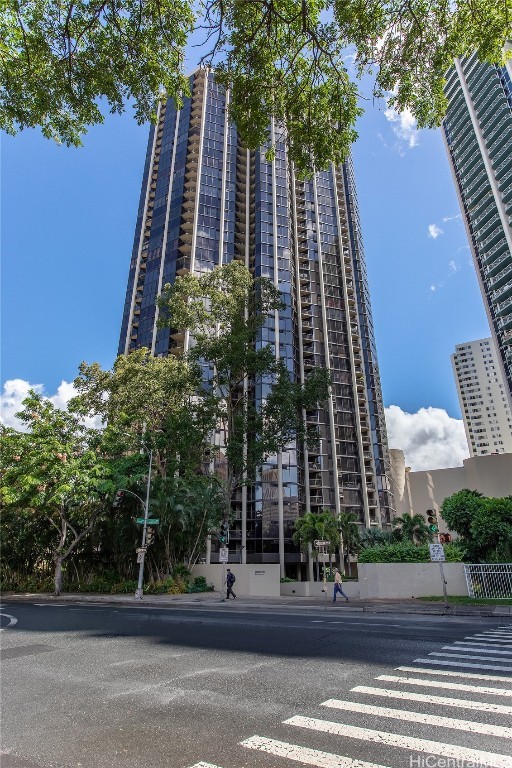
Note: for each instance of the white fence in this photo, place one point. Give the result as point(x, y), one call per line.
point(489, 580)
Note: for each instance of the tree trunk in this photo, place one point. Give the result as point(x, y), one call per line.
point(58, 575)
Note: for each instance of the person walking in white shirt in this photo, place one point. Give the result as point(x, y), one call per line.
point(338, 587)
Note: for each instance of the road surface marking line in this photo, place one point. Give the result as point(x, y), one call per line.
point(454, 673)
point(12, 622)
point(463, 664)
point(480, 706)
point(476, 756)
point(486, 644)
point(445, 684)
point(496, 633)
point(420, 717)
point(487, 639)
point(204, 765)
point(465, 656)
point(477, 649)
point(304, 755)
point(480, 636)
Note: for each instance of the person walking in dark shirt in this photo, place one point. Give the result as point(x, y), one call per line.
point(230, 580)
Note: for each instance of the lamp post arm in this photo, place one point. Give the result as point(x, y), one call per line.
point(125, 490)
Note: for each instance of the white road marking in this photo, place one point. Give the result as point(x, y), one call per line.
point(465, 656)
point(477, 649)
point(487, 639)
point(446, 684)
point(480, 706)
point(481, 644)
point(11, 623)
point(304, 755)
point(419, 717)
point(453, 673)
point(476, 756)
point(204, 765)
point(463, 664)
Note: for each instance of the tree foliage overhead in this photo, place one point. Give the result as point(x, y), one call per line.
point(283, 58)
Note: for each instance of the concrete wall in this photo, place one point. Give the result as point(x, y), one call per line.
point(314, 589)
point(406, 580)
point(251, 580)
point(491, 475)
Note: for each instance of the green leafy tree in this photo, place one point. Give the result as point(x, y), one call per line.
point(224, 310)
point(484, 525)
point(149, 403)
point(412, 528)
point(281, 58)
point(372, 537)
point(56, 471)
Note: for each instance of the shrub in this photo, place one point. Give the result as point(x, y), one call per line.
point(200, 585)
point(406, 552)
point(180, 571)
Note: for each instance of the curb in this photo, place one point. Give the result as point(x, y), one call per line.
point(438, 610)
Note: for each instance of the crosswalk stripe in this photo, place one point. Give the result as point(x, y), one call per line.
point(445, 684)
point(304, 755)
point(465, 656)
point(453, 673)
point(462, 664)
point(480, 706)
point(477, 649)
point(204, 765)
point(497, 633)
point(487, 639)
point(397, 740)
point(481, 644)
point(419, 717)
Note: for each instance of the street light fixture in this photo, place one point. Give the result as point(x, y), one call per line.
point(140, 591)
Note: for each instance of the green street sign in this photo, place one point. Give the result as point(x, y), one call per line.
point(149, 521)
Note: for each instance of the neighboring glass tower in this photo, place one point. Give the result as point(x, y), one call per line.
point(206, 200)
point(482, 397)
point(478, 136)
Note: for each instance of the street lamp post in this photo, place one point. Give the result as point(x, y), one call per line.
point(139, 591)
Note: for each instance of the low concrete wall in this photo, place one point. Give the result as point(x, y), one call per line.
point(314, 588)
point(251, 580)
point(406, 580)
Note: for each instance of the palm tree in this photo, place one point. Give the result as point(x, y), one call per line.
point(313, 526)
point(413, 528)
point(373, 537)
point(349, 537)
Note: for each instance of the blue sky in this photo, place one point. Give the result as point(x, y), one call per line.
point(68, 217)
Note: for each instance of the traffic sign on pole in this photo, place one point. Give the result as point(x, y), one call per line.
point(223, 555)
point(321, 543)
point(149, 521)
point(437, 553)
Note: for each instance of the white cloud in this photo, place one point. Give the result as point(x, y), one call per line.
point(404, 127)
point(434, 231)
point(430, 439)
point(457, 217)
point(16, 390)
point(453, 266)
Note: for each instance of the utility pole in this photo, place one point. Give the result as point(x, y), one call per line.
point(139, 592)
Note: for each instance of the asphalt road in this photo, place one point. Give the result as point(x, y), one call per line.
point(235, 687)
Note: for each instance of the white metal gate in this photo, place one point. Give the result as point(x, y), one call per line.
point(492, 581)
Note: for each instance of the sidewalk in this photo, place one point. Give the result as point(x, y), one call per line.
point(284, 603)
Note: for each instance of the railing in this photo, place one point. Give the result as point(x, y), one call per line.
point(492, 581)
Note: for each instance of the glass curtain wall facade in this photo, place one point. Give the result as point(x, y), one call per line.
point(206, 200)
point(477, 132)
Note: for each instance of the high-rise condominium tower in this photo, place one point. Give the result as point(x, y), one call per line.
point(206, 200)
point(482, 396)
point(478, 136)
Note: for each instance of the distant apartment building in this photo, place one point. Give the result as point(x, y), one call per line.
point(477, 131)
point(482, 396)
point(206, 200)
